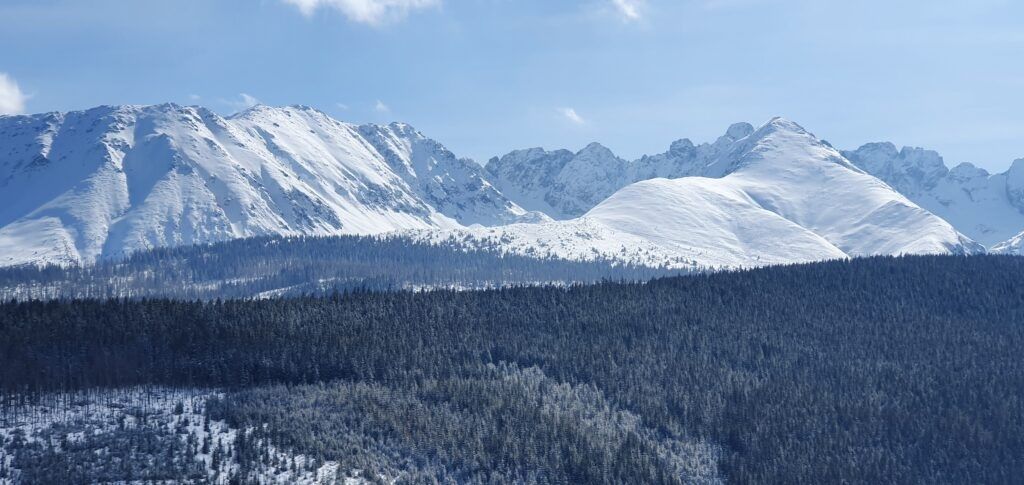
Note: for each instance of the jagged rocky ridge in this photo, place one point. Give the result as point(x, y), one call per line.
point(987, 207)
point(565, 185)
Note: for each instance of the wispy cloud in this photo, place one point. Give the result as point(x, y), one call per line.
point(342, 106)
point(12, 100)
point(629, 9)
point(571, 115)
point(243, 102)
point(248, 101)
point(380, 107)
point(370, 12)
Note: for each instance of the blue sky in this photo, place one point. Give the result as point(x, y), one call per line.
point(488, 76)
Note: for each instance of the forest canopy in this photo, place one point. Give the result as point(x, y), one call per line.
point(871, 370)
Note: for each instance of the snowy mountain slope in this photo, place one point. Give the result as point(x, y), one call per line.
point(559, 183)
point(565, 184)
point(709, 218)
point(455, 187)
point(1014, 245)
point(777, 195)
point(989, 208)
point(76, 187)
point(790, 172)
point(580, 239)
point(108, 181)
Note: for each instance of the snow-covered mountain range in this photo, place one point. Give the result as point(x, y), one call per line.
point(564, 185)
point(772, 195)
point(987, 207)
point(109, 181)
point(79, 186)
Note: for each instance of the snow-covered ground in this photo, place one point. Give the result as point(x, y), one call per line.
point(157, 431)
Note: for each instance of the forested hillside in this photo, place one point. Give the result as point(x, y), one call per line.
point(881, 370)
point(295, 266)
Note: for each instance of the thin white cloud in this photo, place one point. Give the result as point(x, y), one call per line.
point(194, 97)
point(371, 12)
point(571, 115)
point(12, 100)
point(630, 9)
point(380, 107)
point(242, 103)
point(248, 101)
point(342, 106)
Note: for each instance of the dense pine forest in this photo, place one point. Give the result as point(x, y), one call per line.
point(880, 370)
point(296, 266)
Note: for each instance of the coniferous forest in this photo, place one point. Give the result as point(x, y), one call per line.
point(879, 370)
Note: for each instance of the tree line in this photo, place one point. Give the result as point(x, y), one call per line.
point(295, 266)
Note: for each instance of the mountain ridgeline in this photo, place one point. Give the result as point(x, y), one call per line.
point(101, 184)
point(987, 207)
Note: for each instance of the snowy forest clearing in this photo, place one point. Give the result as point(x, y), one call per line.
point(141, 435)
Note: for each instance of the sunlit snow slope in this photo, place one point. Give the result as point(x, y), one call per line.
point(988, 207)
point(81, 186)
point(105, 182)
point(777, 195)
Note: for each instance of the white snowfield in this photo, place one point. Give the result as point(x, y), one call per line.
point(82, 186)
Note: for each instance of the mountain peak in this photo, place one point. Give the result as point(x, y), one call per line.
point(595, 147)
point(779, 123)
point(405, 129)
point(681, 146)
point(307, 109)
point(296, 170)
point(598, 151)
point(739, 130)
point(967, 170)
point(395, 128)
point(264, 171)
point(881, 149)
